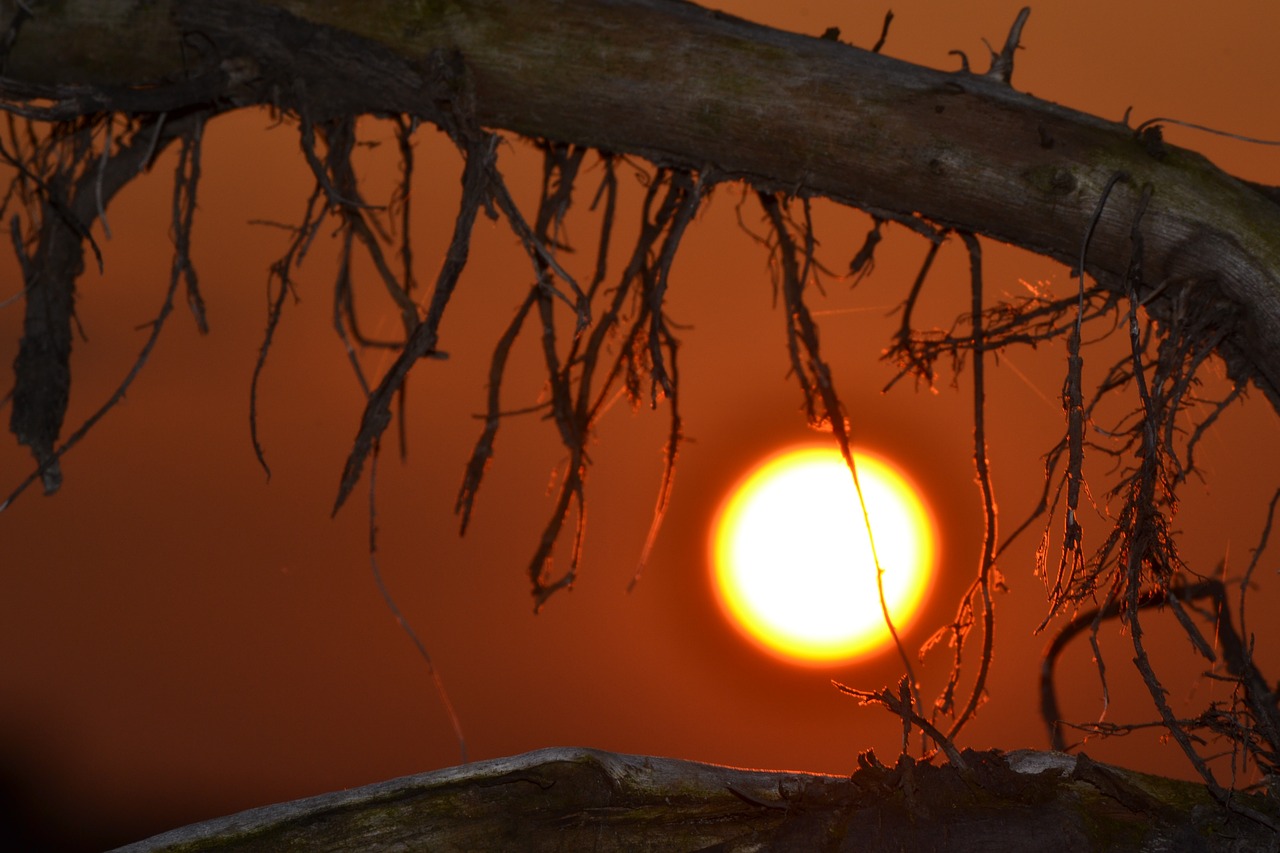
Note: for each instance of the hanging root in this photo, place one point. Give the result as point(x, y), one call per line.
point(794, 266)
point(64, 184)
point(988, 577)
point(620, 341)
point(1137, 567)
point(422, 343)
point(648, 349)
point(375, 567)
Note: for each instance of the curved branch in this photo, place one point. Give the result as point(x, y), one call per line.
point(586, 799)
point(787, 111)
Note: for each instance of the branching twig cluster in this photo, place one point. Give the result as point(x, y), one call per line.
point(584, 376)
point(1137, 565)
point(588, 360)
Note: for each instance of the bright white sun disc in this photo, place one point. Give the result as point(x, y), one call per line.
point(792, 563)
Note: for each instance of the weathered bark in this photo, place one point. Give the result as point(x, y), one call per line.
point(687, 86)
point(582, 799)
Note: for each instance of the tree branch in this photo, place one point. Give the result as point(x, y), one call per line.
point(789, 112)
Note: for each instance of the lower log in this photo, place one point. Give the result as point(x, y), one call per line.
point(586, 799)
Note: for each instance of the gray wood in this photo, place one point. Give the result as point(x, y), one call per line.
point(585, 799)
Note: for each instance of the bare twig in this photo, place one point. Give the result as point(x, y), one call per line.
point(282, 274)
point(988, 576)
point(454, 721)
point(1070, 583)
point(423, 341)
point(814, 375)
point(900, 705)
point(884, 32)
point(1002, 62)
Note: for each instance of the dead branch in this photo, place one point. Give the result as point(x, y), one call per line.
point(60, 206)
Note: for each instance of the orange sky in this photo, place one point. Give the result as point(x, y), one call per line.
point(182, 639)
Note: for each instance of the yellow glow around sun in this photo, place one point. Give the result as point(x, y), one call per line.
point(791, 561)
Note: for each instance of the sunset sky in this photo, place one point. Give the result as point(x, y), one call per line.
point(181, 638)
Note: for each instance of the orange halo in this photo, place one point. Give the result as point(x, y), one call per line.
point(791, 563)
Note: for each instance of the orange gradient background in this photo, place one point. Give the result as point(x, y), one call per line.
point(793, 568)
point(182, 638)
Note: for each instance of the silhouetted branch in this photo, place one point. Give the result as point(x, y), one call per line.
point(63, 205)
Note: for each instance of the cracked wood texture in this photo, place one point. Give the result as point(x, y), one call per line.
point(683, 85)
point(584, 799)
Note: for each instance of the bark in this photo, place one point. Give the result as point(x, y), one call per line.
point(582, 799)
point(686, 86)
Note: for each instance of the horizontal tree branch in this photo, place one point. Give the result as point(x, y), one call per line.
point(686, 86)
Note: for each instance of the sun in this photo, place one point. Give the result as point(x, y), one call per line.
point(792, 564)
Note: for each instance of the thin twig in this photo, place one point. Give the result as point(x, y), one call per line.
point(390, 601)
point(987, 574)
